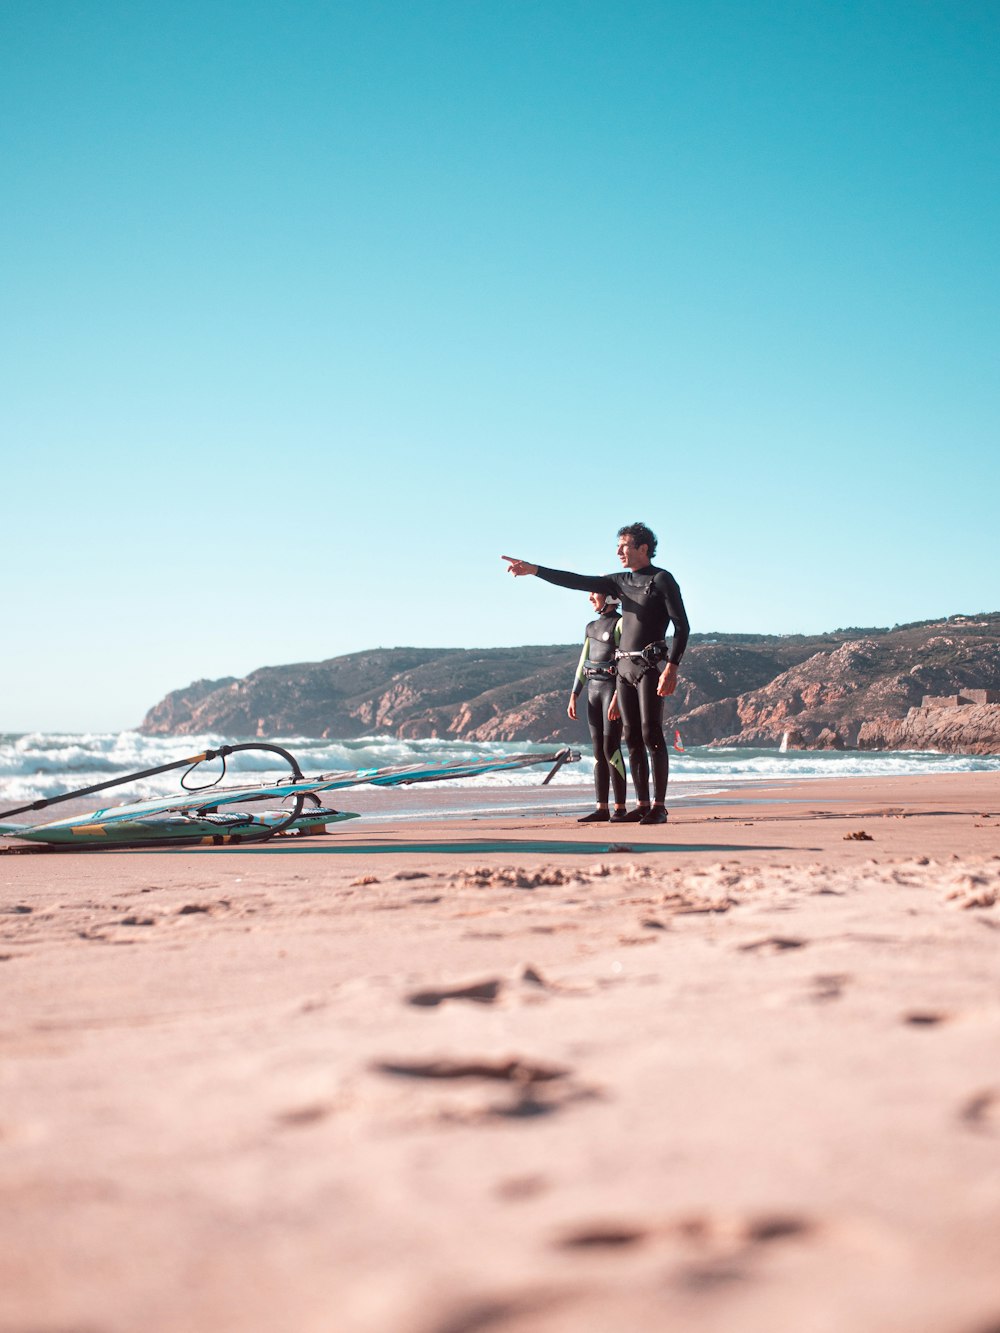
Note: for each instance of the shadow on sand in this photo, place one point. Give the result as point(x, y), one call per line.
point(500, 846)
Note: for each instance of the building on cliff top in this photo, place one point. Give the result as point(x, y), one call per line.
point(960, 700)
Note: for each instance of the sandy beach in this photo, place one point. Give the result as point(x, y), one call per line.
point(504, 1072)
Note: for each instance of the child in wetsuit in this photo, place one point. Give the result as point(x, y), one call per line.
point(596, 669)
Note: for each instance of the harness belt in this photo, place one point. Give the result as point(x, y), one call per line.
point(651, 654)
point(600, 671)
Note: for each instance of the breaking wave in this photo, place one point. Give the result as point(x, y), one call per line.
point(40, 765)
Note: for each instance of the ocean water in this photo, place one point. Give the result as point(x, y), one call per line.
point(41, 765)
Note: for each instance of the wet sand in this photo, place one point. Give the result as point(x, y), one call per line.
point(506, 1072)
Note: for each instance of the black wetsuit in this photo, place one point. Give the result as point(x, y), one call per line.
point(650, 600)
point(597, 670)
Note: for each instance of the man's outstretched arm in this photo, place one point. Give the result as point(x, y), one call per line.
point(562, 578)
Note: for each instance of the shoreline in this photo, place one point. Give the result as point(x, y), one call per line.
point(509, 1072)
point(450, 802)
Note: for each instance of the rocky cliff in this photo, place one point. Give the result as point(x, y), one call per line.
point(959, 727)
point(850, 688)
point(852, 695)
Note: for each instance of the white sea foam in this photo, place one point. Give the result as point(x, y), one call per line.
point(41, 765)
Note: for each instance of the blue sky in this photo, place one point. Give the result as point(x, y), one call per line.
point(311, 311)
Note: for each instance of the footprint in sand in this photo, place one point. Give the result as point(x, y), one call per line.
point(515, 1188)
point(828, 986)
point(733, 1249)
point(297, 1117)
point(776, 1226)
point(489, 991)
point(512, 1071)
point(772, 944)
point(487, 1313)
point(981, 1111)
point(716, 1251)
point(526, 1079)
point(925, 1018)
point(479, 992)
point(610, 1236)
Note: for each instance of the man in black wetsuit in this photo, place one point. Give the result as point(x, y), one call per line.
point(598, 672)
point(650, 600)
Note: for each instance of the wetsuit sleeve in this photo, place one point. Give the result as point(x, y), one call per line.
point(580, 582)
point(618, 631)
point(579, 678)
point(668, 589)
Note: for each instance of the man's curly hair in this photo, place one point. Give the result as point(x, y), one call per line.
point(641, 536)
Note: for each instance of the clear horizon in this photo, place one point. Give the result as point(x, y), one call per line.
point(312, 313)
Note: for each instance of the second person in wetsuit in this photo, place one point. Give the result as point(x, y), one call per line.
point(597, 671)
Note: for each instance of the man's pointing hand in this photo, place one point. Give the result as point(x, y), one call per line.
point(519, 567)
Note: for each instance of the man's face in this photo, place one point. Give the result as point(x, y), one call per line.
point(632, 556)
point(597, 600)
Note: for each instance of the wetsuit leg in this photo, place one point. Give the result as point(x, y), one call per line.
point(611, 743)
point(616, 760)
point(595, 720)
point(653, 739)
point(628, 702)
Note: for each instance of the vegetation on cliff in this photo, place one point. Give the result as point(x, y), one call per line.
point(846, 688)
